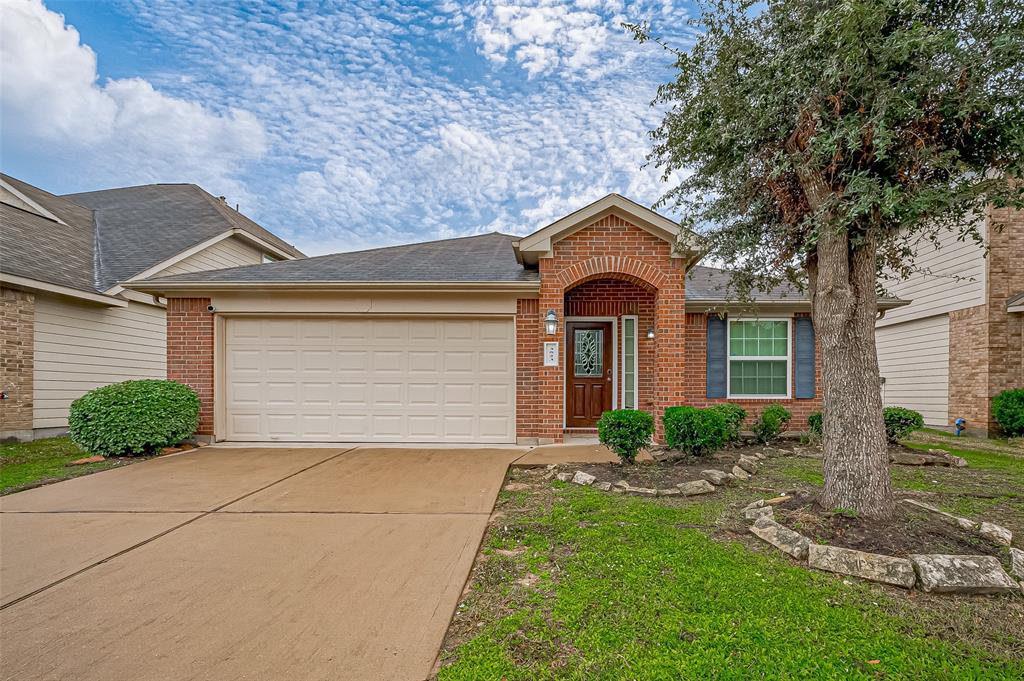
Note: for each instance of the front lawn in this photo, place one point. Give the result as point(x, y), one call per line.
point(30, 464)
point(574, 583)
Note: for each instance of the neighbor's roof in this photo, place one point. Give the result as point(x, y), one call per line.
point(51, 251)
point(482, 258)
point(139, 227)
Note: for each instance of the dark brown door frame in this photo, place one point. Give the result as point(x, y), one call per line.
point(592, 390)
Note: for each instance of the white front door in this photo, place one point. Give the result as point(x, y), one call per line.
point(352, 380)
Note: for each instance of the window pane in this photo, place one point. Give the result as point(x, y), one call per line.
point(629, 363)
point(757, 377)
point(588, 350)
point(758, 339)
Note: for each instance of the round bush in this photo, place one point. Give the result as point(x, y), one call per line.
point(816, 423)
point(772, 421)
point(1008, 411)
point(695, 431)
point(734, 415)
point(900, 422)
point(134, 417)
point(625, 432)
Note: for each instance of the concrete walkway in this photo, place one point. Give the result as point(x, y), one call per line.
point(227, 563)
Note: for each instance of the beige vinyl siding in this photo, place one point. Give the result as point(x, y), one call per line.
point(230, 252)
point(80, 347)
point(938, 291)
point(913, 357)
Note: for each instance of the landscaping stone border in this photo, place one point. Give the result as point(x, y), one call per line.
point(938, 573)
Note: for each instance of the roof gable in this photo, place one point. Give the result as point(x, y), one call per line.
point(686, 244)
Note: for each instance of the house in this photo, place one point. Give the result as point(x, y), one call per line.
point(486, 339)
point(67, 324)
point(958, 343)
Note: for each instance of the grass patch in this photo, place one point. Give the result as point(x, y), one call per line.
point(629, 589)
point(29, 464)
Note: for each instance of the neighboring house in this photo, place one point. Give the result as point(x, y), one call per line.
point(67, 324)
point(491, 338)
point(958, 343)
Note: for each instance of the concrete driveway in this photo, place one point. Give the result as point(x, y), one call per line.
point(236, 563)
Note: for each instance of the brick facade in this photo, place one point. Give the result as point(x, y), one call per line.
point(190, 352)
point(695, 381)
point(17, 332)
point(985, 341)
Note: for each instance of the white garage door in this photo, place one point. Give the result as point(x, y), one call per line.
point(351, 380)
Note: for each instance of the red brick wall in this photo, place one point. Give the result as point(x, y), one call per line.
point(695, 381)
point(190, 352)
point(985, 341)
point(17, 333)
point(611, 248)
point(528, 361)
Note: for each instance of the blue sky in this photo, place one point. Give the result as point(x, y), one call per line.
point(341, 125)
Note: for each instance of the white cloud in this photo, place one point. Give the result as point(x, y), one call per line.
point(54, 106)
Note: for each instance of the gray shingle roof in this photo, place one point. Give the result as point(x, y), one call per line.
point(485, 257)
point(712, 283)
point(138, 227)
point(39, 248)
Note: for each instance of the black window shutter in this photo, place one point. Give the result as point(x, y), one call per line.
point(804, 358)
point(717, 352)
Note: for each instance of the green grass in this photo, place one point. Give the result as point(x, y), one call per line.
point(627, 593)
point(25, 464)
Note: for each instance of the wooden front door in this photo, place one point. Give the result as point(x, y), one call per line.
point(588, 372)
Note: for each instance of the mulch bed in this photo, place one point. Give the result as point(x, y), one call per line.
point(910, 531)
point(673, 467)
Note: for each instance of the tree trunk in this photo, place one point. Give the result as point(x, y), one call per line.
point(844, 306)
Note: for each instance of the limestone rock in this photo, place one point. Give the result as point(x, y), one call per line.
point(740, 474)
point(871, 566)
point(582, 478)
point(996, 533)
point(695, 487)
point(748, 464)
point(755, 504)
point(639, 491)
point(1017, 563)
point(716, 477)
point(759, 512)
point(603, 486)
point(962, 574)
point(781, 537)
point(668, 492)
point(564, 477)
point(965, 523)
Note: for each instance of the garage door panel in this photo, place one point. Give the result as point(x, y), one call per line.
point(420, 380)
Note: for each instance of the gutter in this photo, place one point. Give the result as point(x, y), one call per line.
point(157, 287)
point(36, 285)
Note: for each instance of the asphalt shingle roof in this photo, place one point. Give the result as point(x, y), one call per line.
point(138, 227)
point(108, 236)
point(39, 248)
point(712, 283)
point(485, 257)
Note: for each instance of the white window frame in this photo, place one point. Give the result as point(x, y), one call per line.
point(636, 361)
point(729, 358)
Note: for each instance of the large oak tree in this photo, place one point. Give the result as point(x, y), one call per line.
point(820, 142)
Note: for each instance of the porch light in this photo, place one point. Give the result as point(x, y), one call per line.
point(551, 323)
point(650, 332)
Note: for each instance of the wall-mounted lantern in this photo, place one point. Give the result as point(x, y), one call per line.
point(650, 332)
point(551, 323)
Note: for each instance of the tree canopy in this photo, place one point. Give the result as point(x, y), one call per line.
point(912, 111)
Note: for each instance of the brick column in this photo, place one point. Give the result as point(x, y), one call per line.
point(528, 361)
point(190, 352)
point(17, 333)
point(670, 346)
point(550, 380)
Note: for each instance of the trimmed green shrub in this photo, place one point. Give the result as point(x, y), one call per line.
point(734, 415)
point(1008, 411)
point(625, 432)
point(695, 431)
point(900, 422)
point(772, 421)
point(816, 424)
point(134, 417)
